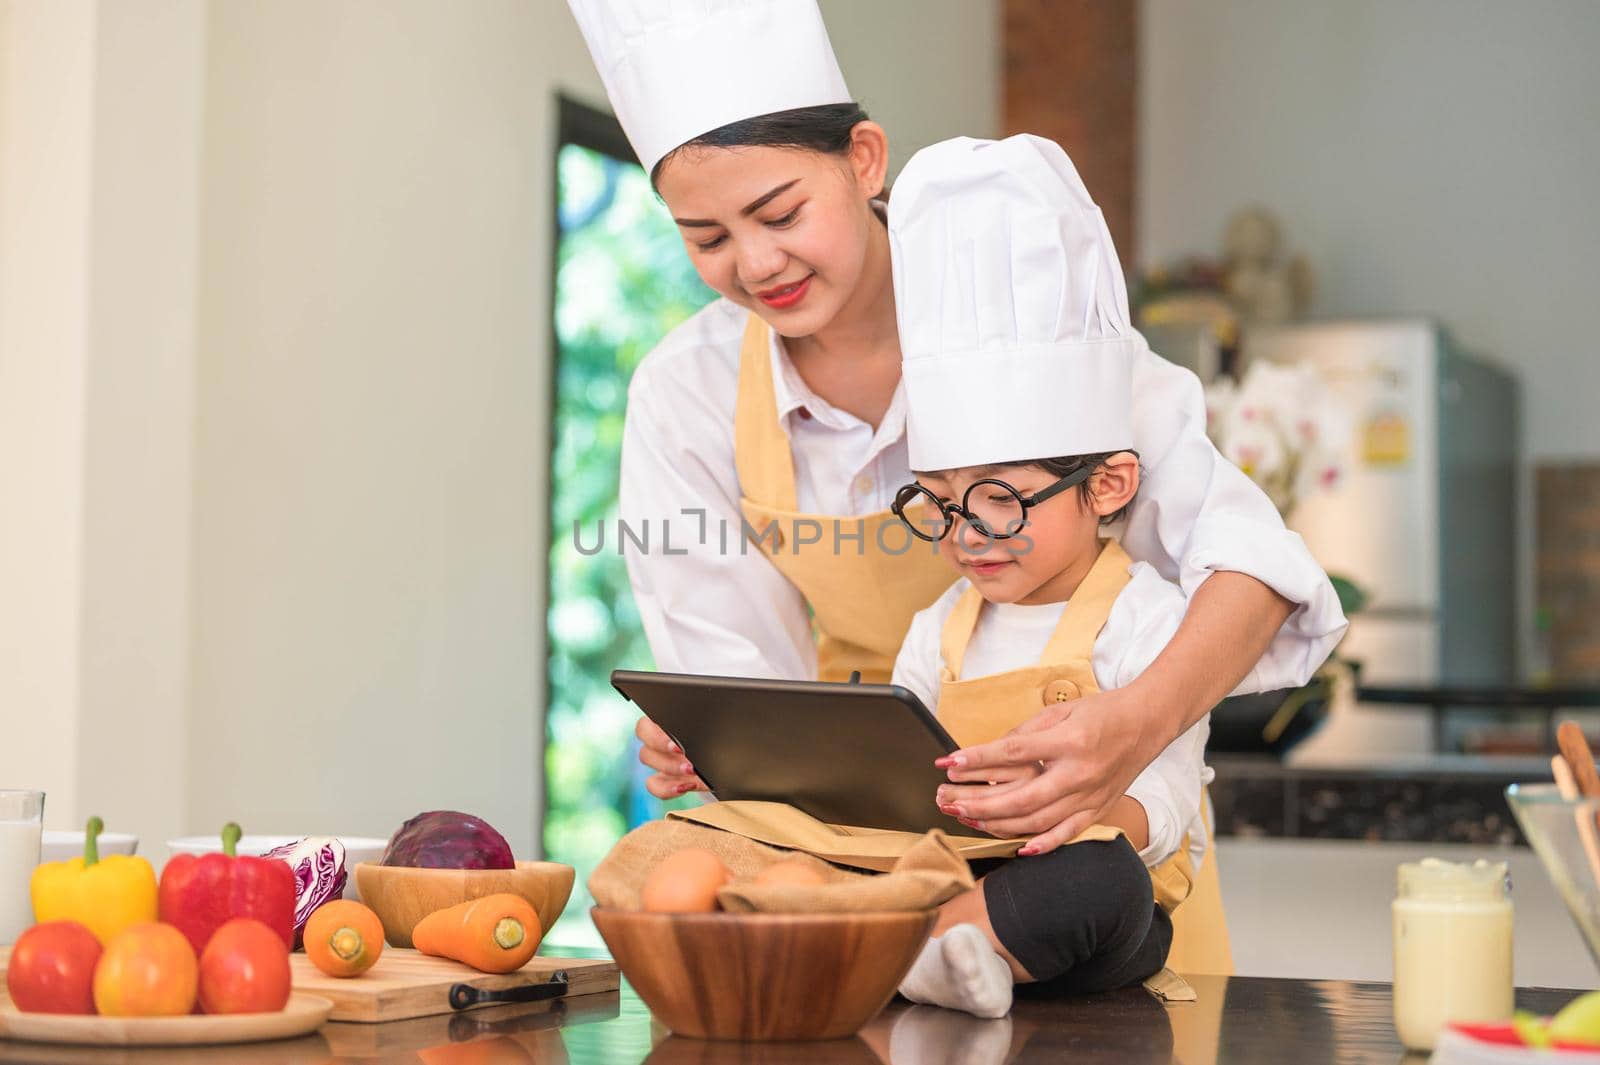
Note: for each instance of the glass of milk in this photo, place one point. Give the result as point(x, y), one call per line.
point(21, 819)
point(1452, 947)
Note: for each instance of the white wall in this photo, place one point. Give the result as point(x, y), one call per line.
point(370, 468)
point(99, 165)
point(925, 69)
point(46, 88)
point(1433, 157)
point(274, 425)
point(138, 414)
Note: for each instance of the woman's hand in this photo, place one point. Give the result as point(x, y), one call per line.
point(1057, 773)
point(954, 799)
point(673, 775)
point(1086, 753)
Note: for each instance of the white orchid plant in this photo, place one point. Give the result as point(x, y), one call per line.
point(1284, 427)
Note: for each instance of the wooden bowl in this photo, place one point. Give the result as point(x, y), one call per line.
point(401, 895)
point(764, 976)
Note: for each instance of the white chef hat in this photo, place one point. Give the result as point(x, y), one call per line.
point(1013, 311)
point(675, 69)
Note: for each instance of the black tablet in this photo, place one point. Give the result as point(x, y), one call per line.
point(847, 754)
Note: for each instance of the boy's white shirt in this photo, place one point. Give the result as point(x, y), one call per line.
point(1141, 622)
point(708, 607)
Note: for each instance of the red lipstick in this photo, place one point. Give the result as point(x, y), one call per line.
point(786, 296)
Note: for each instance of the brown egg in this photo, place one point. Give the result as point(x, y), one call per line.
point(792, 872)
point(686, 882)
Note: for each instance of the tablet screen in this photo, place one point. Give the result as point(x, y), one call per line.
point(847, 754)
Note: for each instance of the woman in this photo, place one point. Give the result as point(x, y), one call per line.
point(767, 433)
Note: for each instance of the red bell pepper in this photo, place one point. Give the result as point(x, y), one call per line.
point(199, 894)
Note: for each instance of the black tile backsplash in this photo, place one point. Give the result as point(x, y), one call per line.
point(1455, 801)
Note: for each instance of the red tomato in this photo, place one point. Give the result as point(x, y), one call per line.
point(244, 969)
point(148, 970)
point(52, 968)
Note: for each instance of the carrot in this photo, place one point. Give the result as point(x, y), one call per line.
point(343, 938)
point(494, 934)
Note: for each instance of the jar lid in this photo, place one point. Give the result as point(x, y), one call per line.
point(1433, 878)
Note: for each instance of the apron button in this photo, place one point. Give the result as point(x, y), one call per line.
point(768, 538)
point(1061, 691)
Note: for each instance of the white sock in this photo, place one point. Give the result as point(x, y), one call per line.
point(961, 971)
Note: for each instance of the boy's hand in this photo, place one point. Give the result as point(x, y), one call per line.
point(1059, 772)
point(673, 775)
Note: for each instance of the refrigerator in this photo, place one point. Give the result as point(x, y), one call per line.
point(1425, 518)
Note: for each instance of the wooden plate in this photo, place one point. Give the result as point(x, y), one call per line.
point(304, 1013)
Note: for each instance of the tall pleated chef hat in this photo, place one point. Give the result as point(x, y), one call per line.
point(1013, 312)
point(675, 69)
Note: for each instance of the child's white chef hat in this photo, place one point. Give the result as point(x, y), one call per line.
point(1013, 311)
point(675, 69)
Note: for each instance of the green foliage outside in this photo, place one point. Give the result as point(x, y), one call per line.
point(622, 283)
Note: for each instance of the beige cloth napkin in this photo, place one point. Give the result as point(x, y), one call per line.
point(873, 849)
point(929, 873)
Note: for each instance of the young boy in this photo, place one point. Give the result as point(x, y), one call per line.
point(1018, 374)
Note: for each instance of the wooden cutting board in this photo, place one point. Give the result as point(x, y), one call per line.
point(407, 984)
point(531, 1024)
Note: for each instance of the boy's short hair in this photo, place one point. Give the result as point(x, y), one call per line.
point(1067, 465)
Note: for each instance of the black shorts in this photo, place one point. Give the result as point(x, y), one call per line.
point(1080, 919)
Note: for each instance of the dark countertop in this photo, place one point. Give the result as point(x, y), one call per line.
point(1237, 1020)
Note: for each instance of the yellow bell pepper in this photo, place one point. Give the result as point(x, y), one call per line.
point(104, 895)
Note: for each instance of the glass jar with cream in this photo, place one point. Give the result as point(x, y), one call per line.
point(1452, 947)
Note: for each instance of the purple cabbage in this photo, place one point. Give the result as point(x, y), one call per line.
point(319, 875)
point(446, 839)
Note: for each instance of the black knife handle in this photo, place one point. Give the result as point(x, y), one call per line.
point(465, 996)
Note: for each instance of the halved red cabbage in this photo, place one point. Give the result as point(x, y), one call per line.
point(319, 875)
point(447, 839)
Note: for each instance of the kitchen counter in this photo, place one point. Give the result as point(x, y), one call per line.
point(1237, 1020)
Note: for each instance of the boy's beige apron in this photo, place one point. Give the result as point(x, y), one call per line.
point(982, 710)
point(863, 578)
point(986, 708)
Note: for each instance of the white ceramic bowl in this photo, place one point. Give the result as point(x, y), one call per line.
point(59, 846)
point(356, 849)
point(249, 845)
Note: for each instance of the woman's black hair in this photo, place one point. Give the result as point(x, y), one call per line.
point(1067, 465)
point(823, 128)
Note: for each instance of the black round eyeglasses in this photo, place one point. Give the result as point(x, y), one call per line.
point(994, 509)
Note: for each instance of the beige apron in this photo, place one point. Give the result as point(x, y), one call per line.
point(986, 708)
point(863, 578)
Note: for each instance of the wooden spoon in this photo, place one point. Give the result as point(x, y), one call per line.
point(1568, 787)
point(1575, 749)
point(1566, 783)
